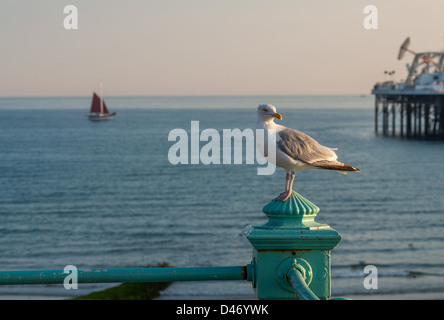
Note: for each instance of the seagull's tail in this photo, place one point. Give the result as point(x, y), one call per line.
point(335, 165)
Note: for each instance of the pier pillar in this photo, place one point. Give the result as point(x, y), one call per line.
point(435, 120)
point(409, 120)
point(385, 118)
point(401, 118)
point(414, 124)
point(420, 107)
point(291, 239)
point(376, 113)
point(441, 122)
point(426, 121)
point(393, 119)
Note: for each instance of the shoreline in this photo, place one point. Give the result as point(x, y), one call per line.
point(209, 291)
point(122, 291)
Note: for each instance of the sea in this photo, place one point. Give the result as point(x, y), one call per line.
point(106, 195)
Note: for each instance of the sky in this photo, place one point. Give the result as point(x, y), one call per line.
point(209, 47)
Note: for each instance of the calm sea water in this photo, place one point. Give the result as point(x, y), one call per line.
point(104, 195)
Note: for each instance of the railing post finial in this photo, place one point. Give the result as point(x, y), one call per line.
point(291, 239)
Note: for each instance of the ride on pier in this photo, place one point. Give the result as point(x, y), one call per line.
point(413, 108)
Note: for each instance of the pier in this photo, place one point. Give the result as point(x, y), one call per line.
point(410, 115)
point(414, 108)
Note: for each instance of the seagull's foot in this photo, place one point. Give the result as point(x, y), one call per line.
point(284, 195)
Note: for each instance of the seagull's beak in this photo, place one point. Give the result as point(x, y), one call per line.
point(277, 116)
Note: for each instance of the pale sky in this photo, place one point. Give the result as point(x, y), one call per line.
point(209, 47)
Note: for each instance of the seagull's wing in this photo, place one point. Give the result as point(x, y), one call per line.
point(301, 147)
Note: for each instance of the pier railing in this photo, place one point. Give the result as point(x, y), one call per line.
point(291, 259)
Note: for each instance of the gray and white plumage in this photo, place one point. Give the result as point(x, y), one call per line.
point(301, 148)
point(296, 151)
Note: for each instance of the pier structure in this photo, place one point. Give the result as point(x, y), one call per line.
point(413, 108)
point(410, 115)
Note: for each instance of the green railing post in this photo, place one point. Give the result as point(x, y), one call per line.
point(291, 240)
point(291, 259)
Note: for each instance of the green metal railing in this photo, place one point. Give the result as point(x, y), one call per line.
point(301, 289)
point(294, 276)
point(125, 275)
point(291, 259)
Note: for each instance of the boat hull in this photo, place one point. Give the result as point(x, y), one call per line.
point(101, 117)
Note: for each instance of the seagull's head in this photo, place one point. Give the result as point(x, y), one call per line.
point(267, 112)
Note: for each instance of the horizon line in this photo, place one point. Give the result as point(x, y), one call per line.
point(188, 95)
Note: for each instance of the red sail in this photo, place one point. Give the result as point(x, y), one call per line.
point(95, 105)
point(105, 109)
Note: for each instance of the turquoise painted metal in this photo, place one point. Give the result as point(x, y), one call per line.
point(300, 287)
point(291, 259)
point(291, 239)
point(127, 275)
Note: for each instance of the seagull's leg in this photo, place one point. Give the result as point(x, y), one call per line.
point(287, 178)
point(285, 195)
point(287, 183)
point(291, 181)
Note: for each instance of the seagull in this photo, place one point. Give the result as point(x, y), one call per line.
point(296, 151)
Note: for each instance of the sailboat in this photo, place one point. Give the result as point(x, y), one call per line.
point(99, 111)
